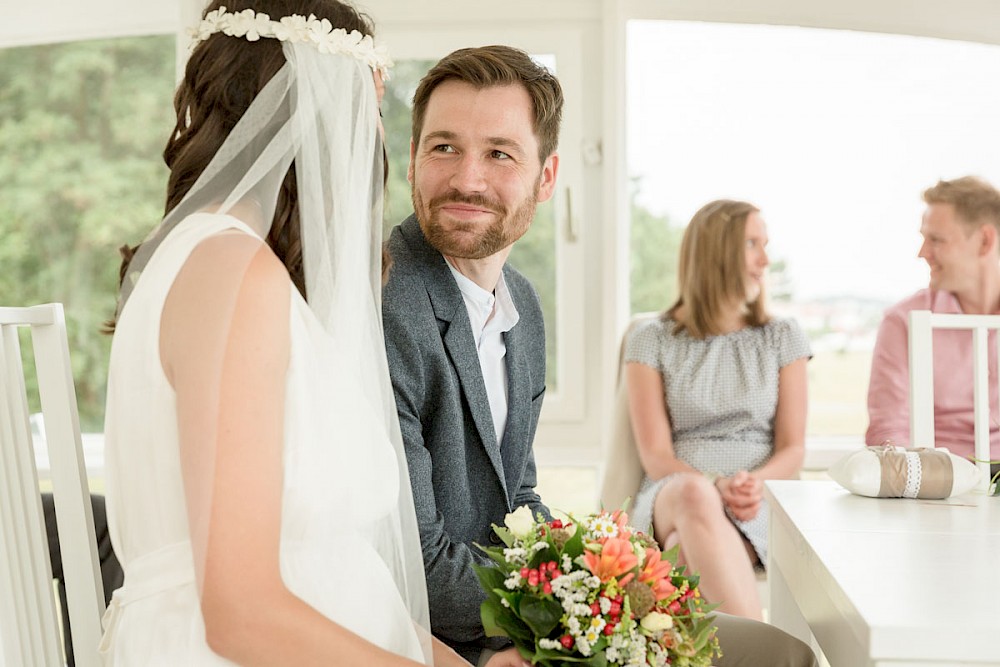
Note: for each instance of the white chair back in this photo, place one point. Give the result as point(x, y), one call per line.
point(922, 325)
point(622, 471)
point(27, 606)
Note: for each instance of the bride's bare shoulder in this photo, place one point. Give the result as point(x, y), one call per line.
point(232, 282)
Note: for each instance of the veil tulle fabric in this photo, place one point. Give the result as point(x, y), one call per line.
point(320, 112)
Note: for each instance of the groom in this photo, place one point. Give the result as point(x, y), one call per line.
point(463, 330)
point(465, 337)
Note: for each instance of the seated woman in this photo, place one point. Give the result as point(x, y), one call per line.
point(717, 399)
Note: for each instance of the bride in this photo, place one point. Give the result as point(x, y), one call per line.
point(257, 491)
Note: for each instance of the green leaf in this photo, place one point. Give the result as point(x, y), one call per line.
point(504, 623)
point(495, 554)
point(599, 646)
point(513, 598)
point(702, 632)
point(504, 534)
point(555, 657)
point(574, 545)
point(487, 613)
point(518, 632)
point(540, 614)
point(544, 556)
point(489, 577)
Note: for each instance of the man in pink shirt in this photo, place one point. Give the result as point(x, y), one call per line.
point(961, 230)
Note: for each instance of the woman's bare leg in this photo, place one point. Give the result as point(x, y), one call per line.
point(689, 509)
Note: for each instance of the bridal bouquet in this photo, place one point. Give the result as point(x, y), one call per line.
point(593, 592)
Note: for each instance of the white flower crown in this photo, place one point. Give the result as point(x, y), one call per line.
point(294, 28)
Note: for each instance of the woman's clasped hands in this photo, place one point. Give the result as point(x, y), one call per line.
point(741, 494)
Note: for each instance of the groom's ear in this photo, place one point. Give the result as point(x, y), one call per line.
point(547, 179)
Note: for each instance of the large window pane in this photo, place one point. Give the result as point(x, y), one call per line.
point(834, 134)
point(82, 126)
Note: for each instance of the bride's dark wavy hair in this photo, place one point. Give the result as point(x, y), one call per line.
point(221, 80)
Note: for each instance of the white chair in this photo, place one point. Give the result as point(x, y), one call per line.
point(622, 471)
point(28, 619)
point(921, 351)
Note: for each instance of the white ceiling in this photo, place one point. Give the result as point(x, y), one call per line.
point(28, 22)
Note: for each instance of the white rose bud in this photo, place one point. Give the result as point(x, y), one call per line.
point(520, 522)
point(656, 621)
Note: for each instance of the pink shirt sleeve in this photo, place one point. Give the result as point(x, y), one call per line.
point(888, 387)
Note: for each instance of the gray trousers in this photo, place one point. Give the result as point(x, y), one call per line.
point(111, 570)
point(747, 643)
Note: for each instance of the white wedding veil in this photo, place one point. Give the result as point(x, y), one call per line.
point(319, 116)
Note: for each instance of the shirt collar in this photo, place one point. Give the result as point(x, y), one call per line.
point(484, 301)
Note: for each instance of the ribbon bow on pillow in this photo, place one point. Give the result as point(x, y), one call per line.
point(896, 472)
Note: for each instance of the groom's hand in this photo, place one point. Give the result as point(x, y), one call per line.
point(509, 657)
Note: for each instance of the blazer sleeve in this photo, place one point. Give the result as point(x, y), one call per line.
point(453, 589)
point(526, 493)
point(529, 304)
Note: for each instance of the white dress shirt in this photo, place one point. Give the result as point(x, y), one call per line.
point(491, 315)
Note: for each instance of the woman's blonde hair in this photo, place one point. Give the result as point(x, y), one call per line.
point(711, 271)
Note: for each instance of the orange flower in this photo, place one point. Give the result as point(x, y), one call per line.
point(656, 573)
point(615, 559)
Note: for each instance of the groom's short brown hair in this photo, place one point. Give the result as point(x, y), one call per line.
point(488, 66)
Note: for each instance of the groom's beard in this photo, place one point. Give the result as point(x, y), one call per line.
point(470, 240)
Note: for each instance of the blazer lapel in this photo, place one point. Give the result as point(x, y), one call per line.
point(449, 307)
point(464, 357)
point(515, 446)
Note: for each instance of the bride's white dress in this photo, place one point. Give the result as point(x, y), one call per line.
point(341, 476)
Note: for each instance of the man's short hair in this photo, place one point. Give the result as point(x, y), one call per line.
point(488, 66)
point(976, 202)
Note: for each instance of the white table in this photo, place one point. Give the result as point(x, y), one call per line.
point(886, 582)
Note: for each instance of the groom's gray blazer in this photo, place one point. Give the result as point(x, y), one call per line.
point(463, 480)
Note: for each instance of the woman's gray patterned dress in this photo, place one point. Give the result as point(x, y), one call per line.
point(721, 394)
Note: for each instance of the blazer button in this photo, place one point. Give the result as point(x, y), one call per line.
point(495, 539)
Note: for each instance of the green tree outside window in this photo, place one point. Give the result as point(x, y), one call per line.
point(82, 126)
